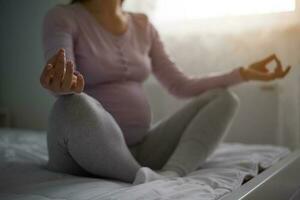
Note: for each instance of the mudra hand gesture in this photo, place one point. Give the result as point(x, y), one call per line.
point(60, 77)
point(259, 71)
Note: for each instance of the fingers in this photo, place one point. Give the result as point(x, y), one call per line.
point(264, 76)
point(53, 59)
point(269, 59)
point(279, 72)
point(79, 86)
point(49, 78)
point(59, 71)
point(282, 74)
point(44, 74)
point(49, 70)
point(256, 75)
point(278, 62)
point(68, 77)
point(259, 70)
point(261, 66)
point(288, 69)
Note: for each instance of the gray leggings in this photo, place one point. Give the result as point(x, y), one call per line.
point(84, 139)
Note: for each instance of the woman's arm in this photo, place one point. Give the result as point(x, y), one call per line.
point(59, 31)
point(59, 75)
point(182, 86)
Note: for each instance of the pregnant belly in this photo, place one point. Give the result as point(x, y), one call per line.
point(128, 104)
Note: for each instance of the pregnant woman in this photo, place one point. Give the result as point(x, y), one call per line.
point(100, 125)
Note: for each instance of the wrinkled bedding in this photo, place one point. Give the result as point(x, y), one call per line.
point(23, 155)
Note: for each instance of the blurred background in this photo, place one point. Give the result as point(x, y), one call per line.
point(201, 36)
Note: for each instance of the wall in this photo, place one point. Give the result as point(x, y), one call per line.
point(214, 46)
point(203, 46)
point(21, 62)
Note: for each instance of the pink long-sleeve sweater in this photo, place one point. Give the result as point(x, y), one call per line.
point(115, 67)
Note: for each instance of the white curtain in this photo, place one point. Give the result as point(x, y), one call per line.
point(270, 112)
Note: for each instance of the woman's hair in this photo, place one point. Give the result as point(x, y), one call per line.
point(75, 1)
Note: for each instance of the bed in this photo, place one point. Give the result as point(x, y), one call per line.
point(233, 171)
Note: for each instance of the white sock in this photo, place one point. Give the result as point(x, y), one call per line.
point(146, 174)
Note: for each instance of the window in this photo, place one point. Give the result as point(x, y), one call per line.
point(172, 10)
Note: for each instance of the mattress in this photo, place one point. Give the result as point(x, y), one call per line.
point(23, 156)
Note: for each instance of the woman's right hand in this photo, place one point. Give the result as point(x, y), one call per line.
point(59, 76)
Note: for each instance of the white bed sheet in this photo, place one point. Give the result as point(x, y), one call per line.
point(23, 155)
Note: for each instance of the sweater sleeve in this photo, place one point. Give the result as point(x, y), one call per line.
point(58, 32)
point(176, 82)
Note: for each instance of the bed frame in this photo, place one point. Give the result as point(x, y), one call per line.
point(279, 182)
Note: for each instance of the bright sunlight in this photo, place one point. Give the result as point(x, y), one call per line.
point(172, 10)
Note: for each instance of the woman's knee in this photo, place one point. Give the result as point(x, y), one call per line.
point(229, 98)
point(75, 108)
point(226, 97)
point(77, 101)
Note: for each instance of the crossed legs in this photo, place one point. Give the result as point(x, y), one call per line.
point(84, 138)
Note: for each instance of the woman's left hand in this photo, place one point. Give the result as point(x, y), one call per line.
point(258, 71)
